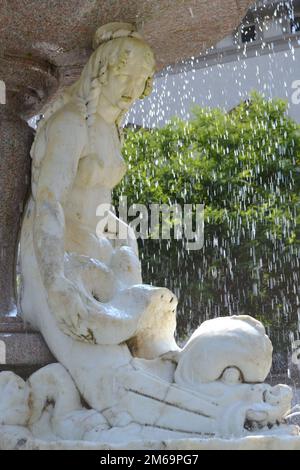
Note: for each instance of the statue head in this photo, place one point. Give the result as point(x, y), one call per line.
point(232, 349)
point(118, 72)
point(133, 57)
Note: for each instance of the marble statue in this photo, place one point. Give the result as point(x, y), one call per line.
point(112, 335)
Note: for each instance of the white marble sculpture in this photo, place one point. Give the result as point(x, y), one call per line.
point(113, 336)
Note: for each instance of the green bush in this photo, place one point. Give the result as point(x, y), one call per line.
point(244, 166)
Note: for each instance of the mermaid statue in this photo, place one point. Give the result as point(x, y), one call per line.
point(112, 335)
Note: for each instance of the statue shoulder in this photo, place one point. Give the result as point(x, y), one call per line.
point(69, 119)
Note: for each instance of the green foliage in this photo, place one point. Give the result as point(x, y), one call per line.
point(245, 167)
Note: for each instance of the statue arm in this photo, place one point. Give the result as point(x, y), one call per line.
point(65, 141)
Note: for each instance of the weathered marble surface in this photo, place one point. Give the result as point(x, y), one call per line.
point(82, 289)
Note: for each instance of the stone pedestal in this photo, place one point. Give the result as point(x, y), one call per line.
point(29, 84)
point(15, 141)
point(21, 349)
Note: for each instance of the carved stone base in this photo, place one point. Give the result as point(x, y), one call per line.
point(12, 440)
point(162, 400)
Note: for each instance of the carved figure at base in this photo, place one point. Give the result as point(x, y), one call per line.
point(198, 392)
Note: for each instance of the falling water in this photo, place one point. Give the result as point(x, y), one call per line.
point(214, 281)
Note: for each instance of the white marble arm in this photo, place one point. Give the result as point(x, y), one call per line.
point(66, 137)
point(65, 141)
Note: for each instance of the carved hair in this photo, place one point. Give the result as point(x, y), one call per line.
point(108, 41)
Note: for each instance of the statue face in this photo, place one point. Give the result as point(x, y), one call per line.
point(127, 79)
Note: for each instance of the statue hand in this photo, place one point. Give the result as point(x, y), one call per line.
point(77, 314)
point(67, 305)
